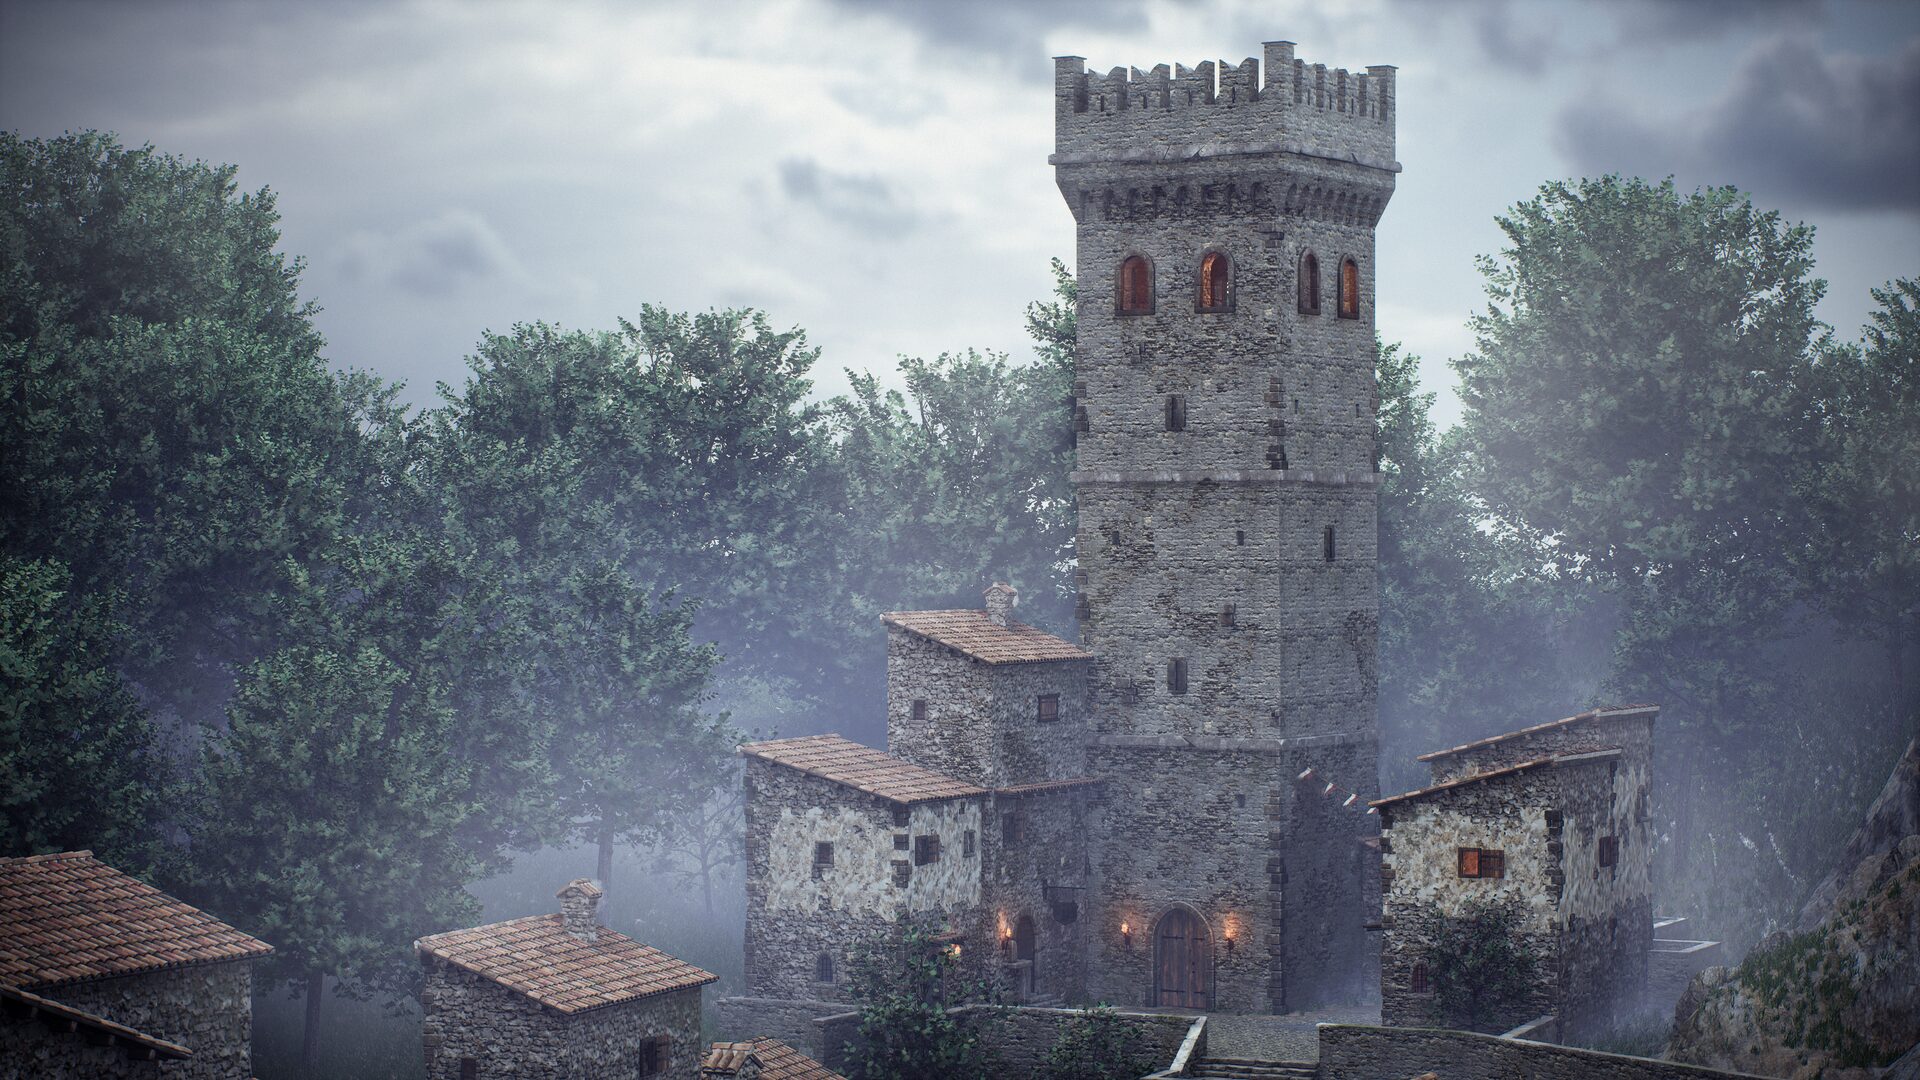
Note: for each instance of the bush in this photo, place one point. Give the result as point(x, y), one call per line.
point(1098, 1045)
point(1481, 967)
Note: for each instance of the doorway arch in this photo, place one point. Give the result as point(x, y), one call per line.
point(1182, 959)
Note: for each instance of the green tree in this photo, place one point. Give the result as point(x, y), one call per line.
point(1864, 562)
point(330, 808)
point(172, 432)
point(1482, 967)
point(1640, 403)
point(66, 716)
point(903, 985)
point(1470, 632)
point(1097, 1045)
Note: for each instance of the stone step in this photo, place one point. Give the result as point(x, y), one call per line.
point(1221, 1068)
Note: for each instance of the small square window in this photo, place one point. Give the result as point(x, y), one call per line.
point(900, 842)
point(1229, 616)
point(1419, 984)
point(1048, 708)
point(655, 1057)
point(900, 814)
point(823, 968)
point(1482, 863)
point(902, 873)
point(968, 844)
point(822, 860)
point(919, 710)
point(1609, 850)
point(926, 849)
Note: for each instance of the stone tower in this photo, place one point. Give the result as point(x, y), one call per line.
point(1224, 415)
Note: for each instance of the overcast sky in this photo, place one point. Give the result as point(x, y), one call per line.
point(875, 171)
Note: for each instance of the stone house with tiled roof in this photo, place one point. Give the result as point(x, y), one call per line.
point(557, 996)
point(1553, 821)
point(104, 975)
point(762, 1059)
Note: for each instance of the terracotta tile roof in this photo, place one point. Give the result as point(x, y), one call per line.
point(972, 633)
point(1509, 770)
point(138, 1045)
point(862, 768)
point(1590, 714)
point(536, 956)
point(69, 917)
point(778, 1061)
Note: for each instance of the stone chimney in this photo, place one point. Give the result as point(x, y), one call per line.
point(1001, 600)
point(580, 908)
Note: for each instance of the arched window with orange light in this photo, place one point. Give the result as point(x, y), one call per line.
point(1216, 284)
point(1349, 289)
point(1133, 289)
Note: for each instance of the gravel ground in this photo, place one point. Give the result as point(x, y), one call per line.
point(1289, 1037)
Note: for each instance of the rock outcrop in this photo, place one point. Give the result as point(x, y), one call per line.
point(1840, 998)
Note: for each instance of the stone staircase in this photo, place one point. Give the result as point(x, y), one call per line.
point(1226, 1068)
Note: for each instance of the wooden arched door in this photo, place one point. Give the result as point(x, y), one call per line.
point(1182, 960)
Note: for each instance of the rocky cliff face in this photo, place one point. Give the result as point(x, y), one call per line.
point(1841, 997)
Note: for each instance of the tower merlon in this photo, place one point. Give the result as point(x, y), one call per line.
point(1278, 102)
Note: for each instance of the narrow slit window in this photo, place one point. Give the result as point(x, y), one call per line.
point(1609, 850)
point(1326, 544)
point(1177, 675)
point(822, 859)
point(1240, 537)
point(1135, 287)
point(1214, 282)
point(968, 844)
point(1309, 284)
point(1176, 412)
point(1349, 289)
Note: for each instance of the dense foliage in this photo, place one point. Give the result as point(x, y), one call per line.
point(1481, 967)
point(902, 986)
point(1096, 1044)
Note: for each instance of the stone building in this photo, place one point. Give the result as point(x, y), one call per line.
point(1137, 836)
point(103, 975)
point(557, 996)
point(1552, 822)
point(1226, 486)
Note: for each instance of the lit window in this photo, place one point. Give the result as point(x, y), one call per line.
point(1482, 863)
point(1135, 287)
point(1214, 282)
point(1349, 289)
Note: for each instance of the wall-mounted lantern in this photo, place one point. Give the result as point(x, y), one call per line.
point(1126, 935)
point(1006, 937)
point(1230, 934)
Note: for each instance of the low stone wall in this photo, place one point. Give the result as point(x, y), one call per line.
point(1672, 964)
point(1360, 1052)
point(1018, 1036)
point(791, 1020)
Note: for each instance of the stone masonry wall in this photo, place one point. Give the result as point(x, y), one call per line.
point(1018, 1038)
point(509, 1035)
point(29, 1050)
point(958, 691)
point(793, 916)
point(1026, 750)
point(1357, 1052)
point(207, 1008)
point(791, 1020)
point(1606, 912)
point(1209, 544)
point(1630, 731)
point(1052, 850)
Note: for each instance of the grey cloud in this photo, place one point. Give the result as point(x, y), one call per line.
point(1793, 124)
point(1657, 20)
point(863, 202)
point(1012, 29)
point(432, 258)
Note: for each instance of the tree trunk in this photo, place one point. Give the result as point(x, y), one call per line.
point(310, 1040)
point(706, 885)
point(605, 870)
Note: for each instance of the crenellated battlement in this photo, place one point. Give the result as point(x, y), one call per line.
point(1278, 103)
